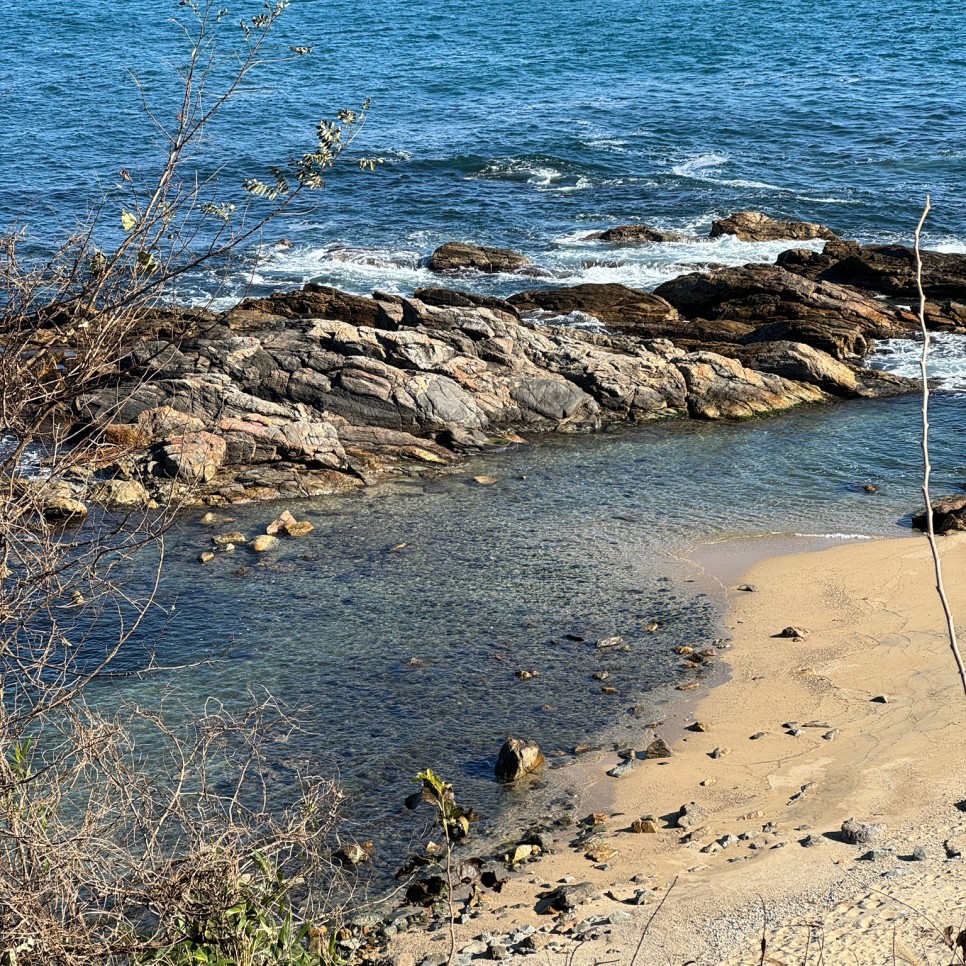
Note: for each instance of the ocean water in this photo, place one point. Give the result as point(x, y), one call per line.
point(527, 125)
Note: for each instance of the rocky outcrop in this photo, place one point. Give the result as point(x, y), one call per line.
point(757, 226)
point(948, 515)
point(779, 305)
point(460, 257)
point(636, 235)
point(316, 391)
point(887, 269)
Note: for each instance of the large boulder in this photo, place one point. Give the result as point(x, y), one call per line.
point(517, 757)
point(193, 456)
point(757, 226)
point(795, 360)
point(460, 256)
point(616, 306)
point(948, 515)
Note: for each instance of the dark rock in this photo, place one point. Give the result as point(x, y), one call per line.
point(796, 634)
point(444, 297)
point(517, 758)
point(616, 306)
point(565, 898)
point(756, 226)
point(658, 748)
point(887, 269)
point(459, 256)
point(948, 515)
point(636, 235)
point(312, 301)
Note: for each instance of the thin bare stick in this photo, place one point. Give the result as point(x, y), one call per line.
point(927, 467)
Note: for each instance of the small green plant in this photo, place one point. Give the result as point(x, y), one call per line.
point(455, 825)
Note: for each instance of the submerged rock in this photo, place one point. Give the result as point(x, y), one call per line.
point(636, 235)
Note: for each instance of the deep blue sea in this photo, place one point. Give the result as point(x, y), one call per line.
point(527, 125)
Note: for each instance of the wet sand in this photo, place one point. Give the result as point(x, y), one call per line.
point(806, 745)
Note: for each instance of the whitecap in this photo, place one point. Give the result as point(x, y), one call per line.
point(946, 361)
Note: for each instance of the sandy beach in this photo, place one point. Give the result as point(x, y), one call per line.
point(862, 718)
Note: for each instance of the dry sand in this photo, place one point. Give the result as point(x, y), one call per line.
point(875, 628)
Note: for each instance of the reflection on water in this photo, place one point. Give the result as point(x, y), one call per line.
point(395, 630)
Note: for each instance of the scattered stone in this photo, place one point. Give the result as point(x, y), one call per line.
point(708, 781)
point(299, 528)
point(816, 724)
point(795, 633)
point(593, 820)
point(719, 753)
point(601, 675)
point(880, 699)
point(870, 488)
point(206, 556)
point(757, 735)
point(831, 735)
point(877, 855)
point(859, 833)
point(211, 519)
point(658, 748)
point(683, 649)
point(618, 917)
point(795, 732)
point(646, 824)
point(698, 726)
point(264, 542)
point(691, 816)
point(609, 690)
point(747, 588)
point(517, 758)
point(352, 855)
point(484, 480)
point(689, 686)
point(624, 768)
point(601, 853)
point(919, 854)
point(523, 675)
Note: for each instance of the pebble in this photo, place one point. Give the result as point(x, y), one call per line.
point(918, 854)
point(708, 781)
point(619, 916)
point(719, 752)
point(206, 557)
point(747, 588)
point(757, 735)
point(619, 771)
point(484, 480)
point(689, 686)
point(698, 726)
point(831, 735)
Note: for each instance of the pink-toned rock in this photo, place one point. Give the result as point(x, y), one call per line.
point(193, 456)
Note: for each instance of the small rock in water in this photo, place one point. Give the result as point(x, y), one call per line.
point(614, 640)
point(870, 488)
point(609, 690)
point(517, 758)
point(223, 539)
point(484, 480)
point(205, 556)
point(526, 675)
point(688, 686)
point(601, 675)
point(264, 542)
point(795, 633)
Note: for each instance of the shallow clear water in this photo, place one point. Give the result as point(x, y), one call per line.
point(582, 536)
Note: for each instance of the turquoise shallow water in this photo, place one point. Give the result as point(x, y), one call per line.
point(529, 125)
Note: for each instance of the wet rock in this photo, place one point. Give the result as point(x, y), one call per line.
point(757, 226)
point(460, 256)
point(517, 758)
point(605, 642)
point(264, 542)
point(223, 539)
point(120, 493)
point(206, 556)
point(636, 235)
point(351, 855)
point(948, 515)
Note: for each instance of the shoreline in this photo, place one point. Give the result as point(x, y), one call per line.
point(892, 764)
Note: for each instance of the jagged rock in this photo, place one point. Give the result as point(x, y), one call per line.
point(757, 226)
point(721, 388)
point(517, 758)
point(636, 235)
point(782, 306)
point(948, 515)
point(119, 493)
point(445, 297)
point(658, 748)
point(795, 360)
point(616, 306)
point(564, 898)
point(859, 833)
point(691, 816)
point(887, 269)
point(194, 456)
point(459, 256)
point(311, 301)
